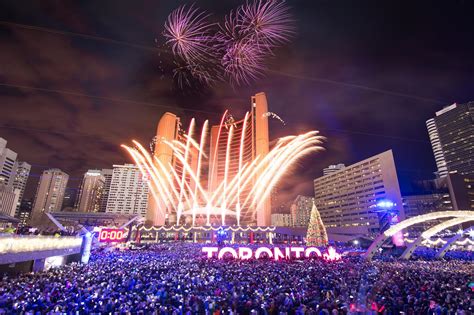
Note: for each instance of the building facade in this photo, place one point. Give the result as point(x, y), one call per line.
point(128, 192)
point(452, 138)
point(437, 148)
point(21, 178)
point(348, 199)
point(333, 168)
point(70, 198)
point(90, 193)
point(166, 130)
point(26, 206)
point(50, 191)
point(282, 219)
point(107, 173)
point(415, 205)
point(7, 164)
point(301, 210)
point(13, 177)
point(461, 189)
point(8, 200)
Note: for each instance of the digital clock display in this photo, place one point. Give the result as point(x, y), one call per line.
point(112, 235)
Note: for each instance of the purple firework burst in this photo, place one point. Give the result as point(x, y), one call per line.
point(188, 33)
point(268, 22)
point(242, 62)
point(234, 51)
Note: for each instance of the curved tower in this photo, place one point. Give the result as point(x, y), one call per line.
point(167, 129)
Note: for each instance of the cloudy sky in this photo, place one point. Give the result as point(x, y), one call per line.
point(367, 74)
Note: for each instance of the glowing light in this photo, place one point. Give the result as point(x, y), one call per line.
point(386, 204)
point(185, 193)
point(276, 253)
point(332, 255)
point(112, 235)
point(38, 243)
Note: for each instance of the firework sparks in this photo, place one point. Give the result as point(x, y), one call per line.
point(268, 22)
point(245, 188)
point(188, 72)
point(273, 115)
point(188, 32)
point(234, 51)
point(243, 62)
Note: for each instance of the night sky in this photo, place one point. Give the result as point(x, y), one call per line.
point(367, 74)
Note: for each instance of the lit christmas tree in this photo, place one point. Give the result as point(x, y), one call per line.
point(316, 235)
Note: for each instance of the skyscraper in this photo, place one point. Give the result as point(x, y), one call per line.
point(256, 143)
point(50, 191)
point(452, 138)
point(437, 148)
point(13, 183)
point(91, 191)
point(8, 200)
point(128, 191)
point(349, 200)
point(21, 177)
point(7, 163)
point(107, 173)
point(167, 130)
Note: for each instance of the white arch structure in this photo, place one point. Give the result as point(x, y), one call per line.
point(451, 242)
point(380, 240)
point(426, 235)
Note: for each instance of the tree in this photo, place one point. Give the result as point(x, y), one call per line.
point(316, 235)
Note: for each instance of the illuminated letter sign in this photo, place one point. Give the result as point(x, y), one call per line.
point(276, 253)
point(112, 235)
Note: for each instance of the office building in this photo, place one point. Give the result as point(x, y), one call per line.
point(301, 210)
point(437, 148)
point(107, 173)
point(90, 193)
point(8, 200)
point(281, 219)
point(333, 168)
point(451, 134)
point(128, 192)
point(50, 191)
point(7, 164)
point(348, 199)
point(26, 206)
point(13, 177)
point(69, 200)
point(21, 178)
point(461, 190)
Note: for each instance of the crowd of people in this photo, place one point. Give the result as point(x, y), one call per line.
point(177, 279)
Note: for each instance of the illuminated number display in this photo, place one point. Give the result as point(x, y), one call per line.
point(112, 235)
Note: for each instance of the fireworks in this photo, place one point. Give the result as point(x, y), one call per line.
point(242, 62)
point(181, 190)
point(273, 115)
point(267, 22)
point(234, 51)
point(187, 32)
